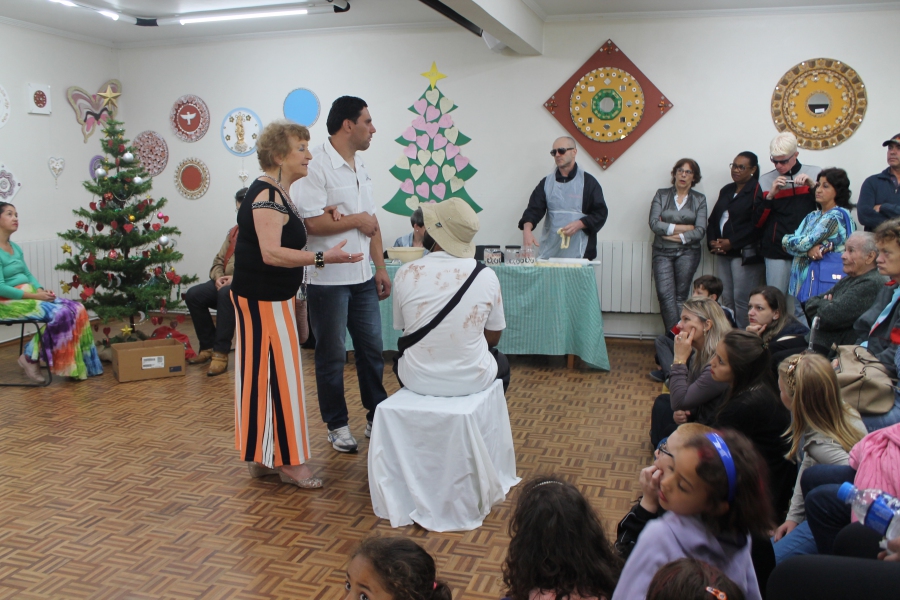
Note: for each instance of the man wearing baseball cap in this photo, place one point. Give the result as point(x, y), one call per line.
point(879, 199)
point(459, 356)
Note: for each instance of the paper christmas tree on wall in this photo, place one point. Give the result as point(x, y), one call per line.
point(432, 167)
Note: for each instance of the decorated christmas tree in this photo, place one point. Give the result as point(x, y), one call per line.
point(121, 250)
point(432, 167)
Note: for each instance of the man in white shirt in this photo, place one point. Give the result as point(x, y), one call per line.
point(458, 357)
point(344, 297)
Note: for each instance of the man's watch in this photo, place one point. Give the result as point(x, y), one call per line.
point(320, 260)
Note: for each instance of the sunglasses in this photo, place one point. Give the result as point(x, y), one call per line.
point(559, 151)
point(779, 162)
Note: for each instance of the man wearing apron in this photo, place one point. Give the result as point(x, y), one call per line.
point(574, 205)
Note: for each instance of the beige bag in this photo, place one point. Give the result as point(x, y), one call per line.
point(864, 381)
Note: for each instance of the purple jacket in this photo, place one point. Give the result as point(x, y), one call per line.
point(671, 537)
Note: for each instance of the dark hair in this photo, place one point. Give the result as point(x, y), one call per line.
point(776, 301)
point(711, 284)
point(688, 578)
point(751, 510)
point(838, 179)
point(345, 107)
point(557, 544)
point(694, 167)
point(754, 163)
point(3, 205)
point(750, 363)
point(406, 570)
point(417, 218)
point(240, 195)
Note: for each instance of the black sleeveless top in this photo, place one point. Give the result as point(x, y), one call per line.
point(253, 278)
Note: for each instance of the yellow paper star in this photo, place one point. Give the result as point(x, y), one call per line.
point(67, 249)
point(126, 331)
point(109, 97)
point(65, 287)
point(433, 75)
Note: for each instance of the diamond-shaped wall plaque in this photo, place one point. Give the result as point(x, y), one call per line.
point(607, 104)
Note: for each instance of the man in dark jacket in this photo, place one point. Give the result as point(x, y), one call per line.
point(879, 199)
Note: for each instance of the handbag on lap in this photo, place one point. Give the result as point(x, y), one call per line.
point(864, 381)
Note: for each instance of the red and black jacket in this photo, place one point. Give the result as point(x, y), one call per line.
point(779, 216)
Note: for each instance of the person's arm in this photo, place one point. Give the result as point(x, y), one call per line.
point(399, 323)
point(630, 527)
point(496, 320)
point(699, 229)
point(376, 252)
point(811, 233)
point(845, 306)
point(658, 227)
point(492, 337)
point(865, 208)
point(218, 265)
point(797, 511)
point(593, 206)
point(685, 396)
point(534, 212)
point(655, 547)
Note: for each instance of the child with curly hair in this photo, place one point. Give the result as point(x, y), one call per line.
point(393, 568)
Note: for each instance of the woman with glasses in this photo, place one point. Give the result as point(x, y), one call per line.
point(678, 218)
point(732, 237)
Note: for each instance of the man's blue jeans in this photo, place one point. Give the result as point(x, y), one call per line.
point(334, 310)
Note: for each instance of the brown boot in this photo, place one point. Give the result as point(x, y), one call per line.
point(218, 365)
point(202, 357)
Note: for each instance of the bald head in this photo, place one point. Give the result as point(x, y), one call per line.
point(564, 152)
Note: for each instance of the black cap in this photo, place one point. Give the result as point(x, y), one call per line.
point(893, 140)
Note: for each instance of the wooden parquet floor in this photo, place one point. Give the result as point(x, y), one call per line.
point(134, 490)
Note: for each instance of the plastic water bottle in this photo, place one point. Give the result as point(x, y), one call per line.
point(873, 508)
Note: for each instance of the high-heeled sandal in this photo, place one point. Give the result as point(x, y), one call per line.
point(260, 470)
point(310, 483)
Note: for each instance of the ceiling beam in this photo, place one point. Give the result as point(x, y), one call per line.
point(510, 21)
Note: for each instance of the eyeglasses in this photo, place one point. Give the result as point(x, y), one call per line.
point(559, 151)
point(684, 171)
point(779, 162)
point(736, 167)
point(664, 448)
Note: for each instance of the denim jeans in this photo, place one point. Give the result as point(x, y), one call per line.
point(891, 417)
point(738, 281)
point(673, 270)
point(333, 311)
point(825, 513)
point(799, 541)
point(199, 299)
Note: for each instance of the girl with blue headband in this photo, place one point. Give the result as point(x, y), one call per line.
point(715, 496)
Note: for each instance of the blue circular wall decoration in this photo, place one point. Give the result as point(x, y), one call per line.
point(302, 106)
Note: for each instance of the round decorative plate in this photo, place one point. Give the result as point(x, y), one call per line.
point(96, 163)
point(4, 106)
point(302, 106)
point(192, 178)
point(190, 118)
point(822, 101)
point(40, 99)
point(9, 186)
point(152, 151)
point(606, 104)
point(240, 129)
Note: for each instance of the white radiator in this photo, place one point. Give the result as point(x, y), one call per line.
point(42, 256)
point(626, 277)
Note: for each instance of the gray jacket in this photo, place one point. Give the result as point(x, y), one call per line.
point(663, 211)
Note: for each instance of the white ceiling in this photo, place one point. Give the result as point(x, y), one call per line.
point(87, 24)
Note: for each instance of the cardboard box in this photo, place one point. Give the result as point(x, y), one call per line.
point(150, 359)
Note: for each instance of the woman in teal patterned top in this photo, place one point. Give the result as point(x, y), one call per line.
point(823, 230)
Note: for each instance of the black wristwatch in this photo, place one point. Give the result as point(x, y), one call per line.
point(320, 260)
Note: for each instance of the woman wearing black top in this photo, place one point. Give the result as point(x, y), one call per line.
point(269, 263)
point(731, 229)
point(779, 330)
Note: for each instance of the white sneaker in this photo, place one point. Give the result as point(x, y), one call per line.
point(368, 429)
point(342, 440)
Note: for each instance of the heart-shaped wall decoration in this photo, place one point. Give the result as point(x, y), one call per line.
point(56, 166)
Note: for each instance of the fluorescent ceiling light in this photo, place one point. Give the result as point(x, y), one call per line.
point(64, 2)
point(110, 14)
point(235, 17)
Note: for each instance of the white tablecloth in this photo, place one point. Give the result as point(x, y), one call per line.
point(441, 462)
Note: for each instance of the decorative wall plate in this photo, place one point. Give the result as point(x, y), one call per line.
point(240, 130)
point(9, 184)
point(302, 106)
point(38, 101)
point(607, 104)
point(192, 178)
point(4, 106)
point(56, 166)
point(822, 101)
point(92, 110)
point(190, 118)
point(152, 151)
point(96, 163)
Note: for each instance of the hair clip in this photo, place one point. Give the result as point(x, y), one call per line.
point(717, 594)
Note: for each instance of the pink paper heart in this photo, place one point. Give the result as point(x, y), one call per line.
point(410, 151)
point(431, 171)
point(419, 123)
point(422, 190)
point(446, 121)
point(439, 141)
point(420, 105)
point(439, 190)
point(431, 129)
point(432, 113)
point(460, 162)
point(410, 134)
point(422, 141)
point(452, 151)
point(407, 186)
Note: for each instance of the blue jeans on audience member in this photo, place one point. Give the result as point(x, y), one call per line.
point(797, 542)
point(825, 513)
point(737, 283)
point(333, 311)
point(673, 271)
point(891, 417)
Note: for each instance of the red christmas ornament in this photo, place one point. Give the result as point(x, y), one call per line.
point(93, 205)
point(109, 277)
point(121, 147)
point(91, 259)
point(107, 330)
point(99, 226)
point(113, 254)
point(102, 204)
point(176, 280)
point(114, 224)
point(117, 162)
point(157, 271)
point(147, 226)
point(145, 254)
point(108, 196)
point(79, 225)
point(128, 180)
point(109, 143)
point(156, 226)
point(128, 227)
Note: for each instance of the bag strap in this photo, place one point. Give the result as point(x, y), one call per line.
point(414, 338)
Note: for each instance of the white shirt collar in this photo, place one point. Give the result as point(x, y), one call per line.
point(336, 159)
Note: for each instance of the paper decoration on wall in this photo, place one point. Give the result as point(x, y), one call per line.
point(240, 129)
point(431, 167)
point(92, 110)
point(9, 184)
point(38, 100)
point(302, 106)
point(56, 166)
point(190, 118)
point(152, 151)
point(822, 101)
point(607, 104)
point(96, 163)
point(4, 106)
point(192, 178)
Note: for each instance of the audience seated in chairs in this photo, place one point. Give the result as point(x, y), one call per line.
point(67, 342)
point(459, 356)
point(215, 339)
point(770, 320)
